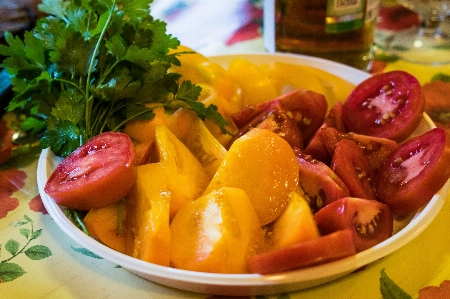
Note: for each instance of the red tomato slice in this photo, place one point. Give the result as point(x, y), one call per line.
point(319, 182)
point(370, 221)
point(277, 120)
point(410, 177)
point(376, 149)
point(97, 174)
point(305, 254)
point(350, 164)
point(316, 146)
point(305, 107)
point(388, 105)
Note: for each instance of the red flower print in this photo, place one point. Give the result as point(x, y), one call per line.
point(7, 203)
point(432, 292)
point(11, 180)
point(36, 205)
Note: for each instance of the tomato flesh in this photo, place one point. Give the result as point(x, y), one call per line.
point(305, 108)
point(99, 173)
point(375, 149)
point(316, 146)
point(319, 182)
point(351, 165)
point(410, 177)
point(388, 105)
point(370, 221)
point(304, 254)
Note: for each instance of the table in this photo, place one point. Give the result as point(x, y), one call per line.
point(37, 260)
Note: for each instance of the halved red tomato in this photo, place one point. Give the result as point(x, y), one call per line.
point(410, 177)
point(99, 173)
point(388, 105)
point(322, 250)
point(376, 149)
point(350, 164)
point(370, 221)
point(319, 182)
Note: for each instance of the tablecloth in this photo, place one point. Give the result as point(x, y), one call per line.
point(37, 260)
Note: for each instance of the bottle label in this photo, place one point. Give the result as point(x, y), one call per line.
point(344, 15)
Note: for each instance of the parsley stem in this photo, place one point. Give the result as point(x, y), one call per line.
point(73, 84)
point(89, 98)
point(80, 222)
point(116, 128)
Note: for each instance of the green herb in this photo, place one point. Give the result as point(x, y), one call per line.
point(93, 65)
point(441, 77)
point(389, 289)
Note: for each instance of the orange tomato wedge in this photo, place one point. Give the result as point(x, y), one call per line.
point(262, 164)
point(148, 221)
point(295, 225)
point(216, 233)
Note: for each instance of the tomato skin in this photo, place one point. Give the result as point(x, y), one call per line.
point(370, 221)
point(423, 162)
point(99, 173)
point(388, 105)
point(350, 164)
point(322, 250)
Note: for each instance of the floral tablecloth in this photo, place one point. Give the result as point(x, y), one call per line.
point(37, 260)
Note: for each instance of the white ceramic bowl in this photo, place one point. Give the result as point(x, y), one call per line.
point(252, 284)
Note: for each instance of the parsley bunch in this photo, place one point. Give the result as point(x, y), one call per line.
point(91, 66)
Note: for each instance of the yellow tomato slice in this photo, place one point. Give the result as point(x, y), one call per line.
point(295, 225)
point(103, 225)
point(289, 77)
point(148, 221)
point(256, 86)
point(216, 233)
point(338, 87)
point(186, 178)
point(263, 165)
point(144, 130)
point(207, 149)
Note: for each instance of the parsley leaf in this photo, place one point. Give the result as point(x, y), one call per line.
point(441, 77)
point(92, 65)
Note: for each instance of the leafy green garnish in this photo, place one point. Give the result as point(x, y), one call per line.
point(93, 65)
point(390, 290)
point(441, 77)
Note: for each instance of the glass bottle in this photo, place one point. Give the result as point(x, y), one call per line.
point(339, 30)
